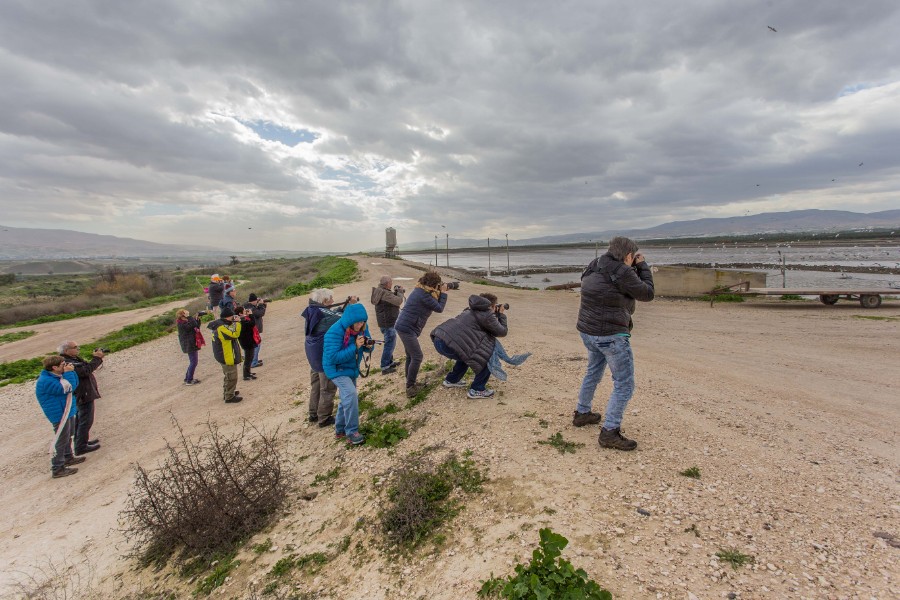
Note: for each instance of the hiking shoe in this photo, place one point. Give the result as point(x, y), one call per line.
point(64, 472)
point(613, 438)
point(74, 460)
point(195, 381)
point(340, 436)
point(356, 439)
point(313, 418)
point(474, 394)
point(458, 384)
point(412, 390)
point(234, 399)
point(389, 370)
point(329, 420)
point(256, 364)
point(189, 382)
point(250, 378)
point(88, 448)
point(588, 418)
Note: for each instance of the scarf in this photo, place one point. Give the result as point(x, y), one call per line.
point(67, 388)
point(348, 333)
point(436, 294)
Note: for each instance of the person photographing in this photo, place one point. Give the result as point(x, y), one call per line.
point(429, 296)
point(387, 299)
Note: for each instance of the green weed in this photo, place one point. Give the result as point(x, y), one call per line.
point(556, 440)
point(734, 557)
point(692, 472)
point(328, 477)
point(262, 547)
point(6, 338)
point(221, 571)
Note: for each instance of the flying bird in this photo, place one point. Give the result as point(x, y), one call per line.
point(860, 164)
point(772, 28)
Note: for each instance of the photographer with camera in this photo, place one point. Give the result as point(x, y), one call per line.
point(257, 306)
point(344, 345)
point(215, 291)
point(609, 287)
point(227, 300)
point(469, 339)
point(191, 340)
point(55, 386)
point(227, 352)
point(387, 303)
point(85, 394)
point(249, 338)
point(429, 296)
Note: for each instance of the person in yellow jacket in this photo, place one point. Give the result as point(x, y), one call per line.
point(227, 351)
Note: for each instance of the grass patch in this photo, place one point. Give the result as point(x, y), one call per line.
point(792, 297)
point(262, 547)
point(306, 562)
point(220, 572)
point(692, 472)
point(556, 440)
point(332, 271)
point(423, 496)
point(734, 557)
point(19, 371)
point(322, 479)
point(422, 395)
point(722, 297)
point(874, 318)
point(6, 338)
point(384, 435)
point(548, 575)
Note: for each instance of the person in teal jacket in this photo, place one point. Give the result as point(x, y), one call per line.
point(344, 344)
point(54, 390)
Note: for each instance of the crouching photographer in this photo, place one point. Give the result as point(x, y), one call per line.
point(469, 339)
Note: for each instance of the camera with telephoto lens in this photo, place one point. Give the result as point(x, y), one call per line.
point(452, 285)
point(504, 306)
point(202, 313)
point(104, 350)
point(399, 289)
point(367, 341)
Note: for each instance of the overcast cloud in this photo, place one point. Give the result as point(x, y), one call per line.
point(318, 124)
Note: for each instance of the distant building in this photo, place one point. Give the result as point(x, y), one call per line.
point(390, 246)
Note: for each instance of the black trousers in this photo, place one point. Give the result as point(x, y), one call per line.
point(84, 420)
point(248, 354)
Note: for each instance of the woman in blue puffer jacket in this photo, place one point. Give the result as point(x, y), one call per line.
point(343, 347)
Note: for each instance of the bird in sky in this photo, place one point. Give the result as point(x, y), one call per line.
point(860, 164)
point(772, 28)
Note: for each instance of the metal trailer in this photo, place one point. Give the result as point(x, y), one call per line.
point(829, 296)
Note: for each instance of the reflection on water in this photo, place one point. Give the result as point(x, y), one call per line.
point(837, 256)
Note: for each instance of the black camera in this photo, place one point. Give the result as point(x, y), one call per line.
point(367, 341)
point(104, 350)
point(504, 306)
point(202, 313)
point(398, 289)
point(452, 285)
point(265, 300)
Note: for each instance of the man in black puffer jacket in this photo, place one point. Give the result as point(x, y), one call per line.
point(610, 285)
point(469, 339)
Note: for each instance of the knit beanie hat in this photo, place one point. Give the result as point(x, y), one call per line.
point(227, 312)
point(252, 298)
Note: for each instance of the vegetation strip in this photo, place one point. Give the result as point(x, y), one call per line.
point(6, 338)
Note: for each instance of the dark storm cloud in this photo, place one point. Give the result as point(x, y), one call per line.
point(530, 116)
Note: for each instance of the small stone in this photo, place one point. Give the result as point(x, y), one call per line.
point(642, 511)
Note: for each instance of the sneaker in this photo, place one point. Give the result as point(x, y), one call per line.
point(88, 448)
point(458, 384)
point(234, 399)
point(188, 383)
point(195, 381)
point(313, 418)
point(340, 436)
point(74, 460)
point(414, 389)
point(589, 418)
point(251, 378)
point(256, 364)
point(356, 439)
point(95, 442)
point(389, 370)
point(474, 394)
point(64, 472)
point(613, 438)
point(329, 420)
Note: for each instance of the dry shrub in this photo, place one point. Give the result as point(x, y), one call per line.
point(57, 580)
point(206, 496)
point(123, 284)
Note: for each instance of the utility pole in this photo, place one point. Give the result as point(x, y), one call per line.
point(489, 257)
point(596, 248)
point(435, 252)
point(448, 249)
point(507, 254)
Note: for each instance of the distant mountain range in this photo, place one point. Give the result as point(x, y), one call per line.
point(795, 221)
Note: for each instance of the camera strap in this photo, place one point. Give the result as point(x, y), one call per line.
point(366, 359)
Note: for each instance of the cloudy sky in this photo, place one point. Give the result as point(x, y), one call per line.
point(315, 124)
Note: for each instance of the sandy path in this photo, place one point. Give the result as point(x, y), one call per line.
point(790, 411)
point(83, 330)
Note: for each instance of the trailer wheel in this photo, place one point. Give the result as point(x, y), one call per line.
point(870, 300)
point(829, 299)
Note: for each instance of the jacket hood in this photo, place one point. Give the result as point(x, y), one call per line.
point(479, 303)
point(353, 314)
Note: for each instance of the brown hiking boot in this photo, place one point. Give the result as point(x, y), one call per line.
point(588, 418)
point(613, 438)
point(64, 472)
point(414, 389)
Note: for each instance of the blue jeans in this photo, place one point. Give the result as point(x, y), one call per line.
point(390, 341)
point(347, 418)
point(192, 365)
point(615, 351)
point(255, 362)
point(459, 369)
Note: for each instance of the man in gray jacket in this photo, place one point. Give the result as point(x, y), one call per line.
point(387, 300)
point(609, 287)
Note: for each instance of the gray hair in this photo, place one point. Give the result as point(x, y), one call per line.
point(620, 247)
point(385, 279)
point(320, 295)
point(64, 346)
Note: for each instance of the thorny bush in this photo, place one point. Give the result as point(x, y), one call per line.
point(207, 496)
